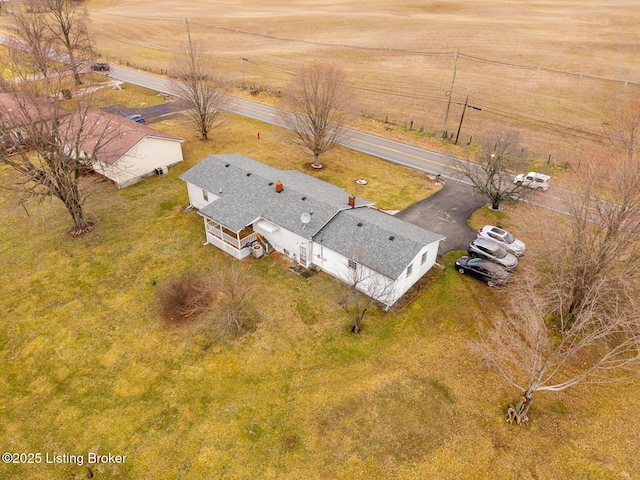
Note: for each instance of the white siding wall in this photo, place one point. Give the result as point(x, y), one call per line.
point(196, 198)
point(404, 282)
point(337, 265)
point(141, 161)
point(283, 239)
point(372, 283)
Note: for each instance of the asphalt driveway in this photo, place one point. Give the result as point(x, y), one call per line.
point(446, 212)
point(153, 114)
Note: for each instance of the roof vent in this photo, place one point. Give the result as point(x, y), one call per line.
point(352, 201)
point(227, 165)
point(248, 174)
point(304, 198)
point(271, 184)
point(360, 224)
point(279, 186)
point(391, 238)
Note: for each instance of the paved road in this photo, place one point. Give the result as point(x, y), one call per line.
point(400, 153)
point(156, 113)
point(445, 212)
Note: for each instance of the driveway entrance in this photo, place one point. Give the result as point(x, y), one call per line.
point(446, 212)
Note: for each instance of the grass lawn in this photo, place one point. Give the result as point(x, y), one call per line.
point(87, 365)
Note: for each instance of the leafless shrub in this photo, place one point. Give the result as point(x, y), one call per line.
point(360, 290)
point(184, 297)
point(234, 311)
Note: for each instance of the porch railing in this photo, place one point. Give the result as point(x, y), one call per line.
point(231, 240)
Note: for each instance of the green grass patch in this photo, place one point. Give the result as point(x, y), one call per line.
point(87, 364)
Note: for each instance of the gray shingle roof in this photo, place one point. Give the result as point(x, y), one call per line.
point(244, 197)
point(364, 235)
point(247, 192)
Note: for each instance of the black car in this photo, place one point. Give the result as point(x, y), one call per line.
point(101, 66)
point(487, 271)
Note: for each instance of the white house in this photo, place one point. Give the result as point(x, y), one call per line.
point(128, 151)
point(249, 207)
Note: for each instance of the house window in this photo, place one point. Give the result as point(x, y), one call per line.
point(205, 195)
point(352, 264)
point(424, 258)
point(409, 270)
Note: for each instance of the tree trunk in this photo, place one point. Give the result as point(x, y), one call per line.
point(316, 160)
point(80, 224)
point(518, 413)
point(74, 67)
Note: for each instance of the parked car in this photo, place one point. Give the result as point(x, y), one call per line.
point(510, 243)
point(101, 66)
point(487, 271)
point(136, 118)
point(535, 180)
point(485, 248)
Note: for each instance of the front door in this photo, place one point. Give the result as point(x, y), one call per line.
point(303, 255)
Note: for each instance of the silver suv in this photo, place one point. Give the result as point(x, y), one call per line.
point(510, 243)
point(485, 248)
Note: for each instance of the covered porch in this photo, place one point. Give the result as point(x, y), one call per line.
point(234, 243)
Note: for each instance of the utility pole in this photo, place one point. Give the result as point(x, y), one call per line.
point(464, 109)
point(193, 60)
point(453, 83)
point(242, 60)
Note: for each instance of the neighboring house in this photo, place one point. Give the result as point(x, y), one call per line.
point(21, 114)
point(249, 207)
point(126, 151)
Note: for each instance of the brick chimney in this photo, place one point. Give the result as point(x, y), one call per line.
point(279, 186)
point(352, 201)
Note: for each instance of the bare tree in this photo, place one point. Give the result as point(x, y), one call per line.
point(30, 51)
point(201, 88)
point(315, 106)
point(577, 320)
point(67, 22)
point(490, 175)
point(599, 245)
point(49, 147)
point(361, 289)
point(535, 352)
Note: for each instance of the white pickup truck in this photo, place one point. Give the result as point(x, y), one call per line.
point(537, 181)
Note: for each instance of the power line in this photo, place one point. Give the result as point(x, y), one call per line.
point(382, 88)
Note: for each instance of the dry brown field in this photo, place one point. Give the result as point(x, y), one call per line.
point(554, 69)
